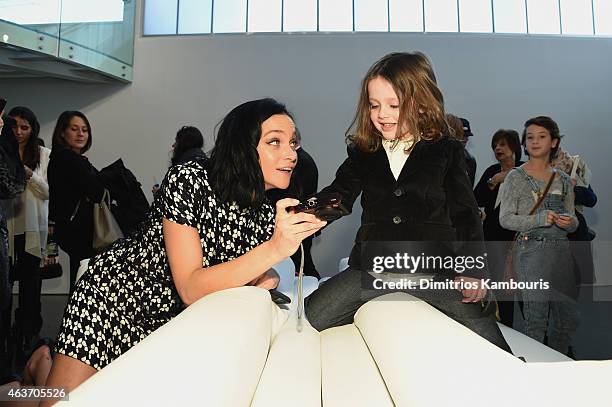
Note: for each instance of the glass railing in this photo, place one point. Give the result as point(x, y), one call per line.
point(92, 33)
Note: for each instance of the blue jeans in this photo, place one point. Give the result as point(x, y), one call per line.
point(337, 300)
point(553, 311)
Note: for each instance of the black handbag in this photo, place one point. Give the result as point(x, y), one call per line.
point(51, 271)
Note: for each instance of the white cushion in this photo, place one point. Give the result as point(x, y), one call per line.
point(211, 354)
point(428, 359)
point(292, 376)
point(350, 375)
point(82, 268)
point(576, 383)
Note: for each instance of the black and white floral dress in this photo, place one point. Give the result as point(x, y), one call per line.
point(127, 291)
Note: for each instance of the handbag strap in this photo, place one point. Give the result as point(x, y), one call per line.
point(541, 198)
point(78, 205)
point(105, 198)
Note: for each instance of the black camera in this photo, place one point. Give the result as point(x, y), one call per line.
point(327, 206)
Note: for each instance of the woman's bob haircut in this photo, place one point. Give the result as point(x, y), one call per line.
point(511, 137)
point(235, 172)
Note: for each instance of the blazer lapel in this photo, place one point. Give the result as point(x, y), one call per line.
point(412, 163)
point(381, 165)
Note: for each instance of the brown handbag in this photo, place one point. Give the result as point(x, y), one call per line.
point(509, 275)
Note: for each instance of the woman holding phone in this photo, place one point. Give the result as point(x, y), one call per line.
point(209, 229)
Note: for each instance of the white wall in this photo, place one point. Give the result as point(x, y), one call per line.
point(493, 81)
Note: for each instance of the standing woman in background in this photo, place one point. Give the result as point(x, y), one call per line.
point(187, 146)
point(28, 225)
point(12, 183)
point(506, 146)
point(74, 187)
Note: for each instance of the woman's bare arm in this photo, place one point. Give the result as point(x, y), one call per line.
point(185, 254)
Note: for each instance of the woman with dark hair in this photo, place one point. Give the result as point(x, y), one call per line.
point(538, 202)
point(28, 226)
point(414, 188)
point(73, 188)
point(12, 183)
point(506, 146)
point(187, 146)
point(209, 229)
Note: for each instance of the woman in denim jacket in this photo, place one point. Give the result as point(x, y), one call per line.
point(542, 260)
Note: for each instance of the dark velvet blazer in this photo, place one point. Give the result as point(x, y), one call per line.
point(432, 199)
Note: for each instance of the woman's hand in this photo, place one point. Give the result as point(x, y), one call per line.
point(267, 280)
point(291, 228)
point(499, 177)
point(28, 172)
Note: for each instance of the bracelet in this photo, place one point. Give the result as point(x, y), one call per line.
point(491, 183)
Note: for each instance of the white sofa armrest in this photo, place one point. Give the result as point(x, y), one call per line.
point(428, 359)
point(212, 354)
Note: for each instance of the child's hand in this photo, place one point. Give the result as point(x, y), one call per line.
point(472, 294)
point(563, 221)
point(551, 218)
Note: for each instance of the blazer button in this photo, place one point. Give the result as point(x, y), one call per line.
point(397, 220)
point(398, 192)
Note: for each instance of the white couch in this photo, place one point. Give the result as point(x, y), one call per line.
point(236, 348)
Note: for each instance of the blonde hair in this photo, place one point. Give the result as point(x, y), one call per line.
point(421, 101)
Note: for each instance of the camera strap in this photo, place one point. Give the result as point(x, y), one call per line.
point(300, 305)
